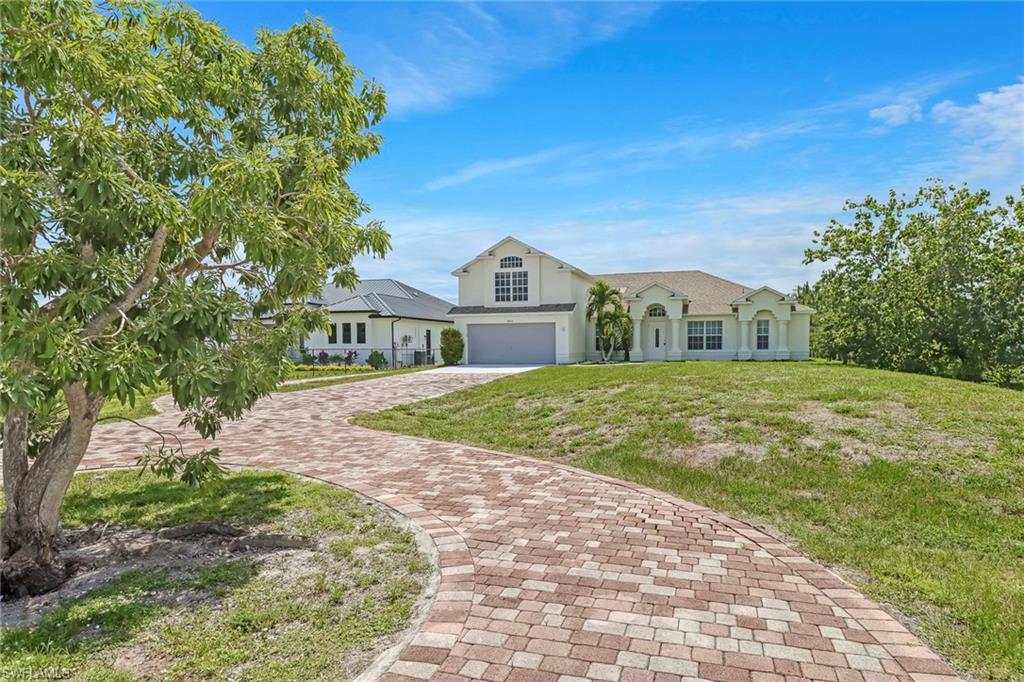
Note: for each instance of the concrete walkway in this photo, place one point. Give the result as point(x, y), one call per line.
point(549, 573)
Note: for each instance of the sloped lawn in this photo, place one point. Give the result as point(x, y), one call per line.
point(320, 613)
point(912, 486)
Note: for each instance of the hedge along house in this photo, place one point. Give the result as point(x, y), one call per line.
point(401, 321)
point(519, 305)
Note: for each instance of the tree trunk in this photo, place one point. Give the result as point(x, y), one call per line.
point(34, 494)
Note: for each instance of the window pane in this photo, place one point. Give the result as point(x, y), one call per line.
point(511, 262)
point(713, 339)
point(360, 332)
point(332, 336)
point(502, 286)
point(346, 332)
point(763, 327)
point(695, 335)
point(520, 288)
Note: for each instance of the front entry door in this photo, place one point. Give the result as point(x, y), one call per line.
point(655, 340)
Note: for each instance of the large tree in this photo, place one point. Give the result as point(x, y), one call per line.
point(931, 283)
point(163, 187)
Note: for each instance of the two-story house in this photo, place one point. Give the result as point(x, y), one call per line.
point(519, 305)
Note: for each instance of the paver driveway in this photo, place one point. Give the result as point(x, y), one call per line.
point(551, 573)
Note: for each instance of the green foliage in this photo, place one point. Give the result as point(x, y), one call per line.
point(613, 325)
point(452, 346)
point(164, 186)
point(377, 360)
point(301, 371)
point(193, 469)
point(932, 284)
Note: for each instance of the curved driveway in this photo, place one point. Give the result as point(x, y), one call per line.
point(549, 573)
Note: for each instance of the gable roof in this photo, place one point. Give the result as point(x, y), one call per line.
point(706, 294)
point(489, 253)
point(384, 297)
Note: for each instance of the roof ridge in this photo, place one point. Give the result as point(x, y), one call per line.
point(673, 272)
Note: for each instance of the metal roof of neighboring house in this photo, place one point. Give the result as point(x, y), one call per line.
point(386, 297)
point(484, 310)
point(706, 294)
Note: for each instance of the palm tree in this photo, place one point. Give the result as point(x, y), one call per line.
point(604, 305)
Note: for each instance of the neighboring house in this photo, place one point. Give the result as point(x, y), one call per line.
point(519, 305)
point(400, 321)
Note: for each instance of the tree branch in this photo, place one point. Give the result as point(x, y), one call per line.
point(150, 267)
point(201, 249)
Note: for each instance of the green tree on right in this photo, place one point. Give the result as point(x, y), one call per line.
point(932, 283)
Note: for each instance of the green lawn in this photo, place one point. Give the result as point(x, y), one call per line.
point(319, 378)
point(245, 622)
point(912, 486)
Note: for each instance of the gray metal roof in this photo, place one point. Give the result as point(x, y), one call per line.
point(484, 310)
point(386, 297)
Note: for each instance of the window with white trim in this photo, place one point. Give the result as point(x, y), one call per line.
point(502, 286)
point(763, 329)
point(332, 334)
point(695, 335)
point(704, 335)
point(520, 285)
point(511, 262)
point(346, 332)
point(713, 335)
point(656, 311)
point(360, 332)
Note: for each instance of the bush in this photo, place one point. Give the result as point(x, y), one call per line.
point(377, 360)
point(451, 346)
point(1007, 376)
point(328, 369)
point(308, 358)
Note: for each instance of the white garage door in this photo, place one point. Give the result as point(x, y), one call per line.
point(531, 343)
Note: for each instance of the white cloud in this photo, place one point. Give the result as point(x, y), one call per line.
point(431, 55)
point(480, 169)
point(990, 131)
point(907, 109)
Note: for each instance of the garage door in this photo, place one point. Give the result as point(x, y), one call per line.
point(512, 344)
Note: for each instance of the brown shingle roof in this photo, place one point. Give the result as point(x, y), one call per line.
point(708, 295)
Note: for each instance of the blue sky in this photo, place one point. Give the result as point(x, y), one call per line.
point(622, 137)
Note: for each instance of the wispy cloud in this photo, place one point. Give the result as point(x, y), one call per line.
point(692, 138)
point(907, 109)
point(990, 132)
point(480, 169)
point(430, 56)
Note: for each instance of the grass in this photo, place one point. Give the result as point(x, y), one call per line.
point(912, 486)
point(236, 618)
point(319, 378)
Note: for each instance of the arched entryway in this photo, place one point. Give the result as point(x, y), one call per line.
point(655, 336)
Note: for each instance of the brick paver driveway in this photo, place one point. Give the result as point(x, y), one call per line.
point(551, 573)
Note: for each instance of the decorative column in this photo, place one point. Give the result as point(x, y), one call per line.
point(744, 352)
point(782, 347)
point(635, 354)
point(674, 351)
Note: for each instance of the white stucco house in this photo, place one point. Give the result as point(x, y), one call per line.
point(401, 321)
point(519, 305)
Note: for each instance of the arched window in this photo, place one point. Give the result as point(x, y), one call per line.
point(511, 262)
point(656, 311)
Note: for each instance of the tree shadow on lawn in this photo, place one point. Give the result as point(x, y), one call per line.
point(128, 498)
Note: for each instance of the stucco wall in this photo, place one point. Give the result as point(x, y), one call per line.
point(378, 336)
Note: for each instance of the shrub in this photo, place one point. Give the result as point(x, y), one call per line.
point(451, 346)
point(323, 357)
point(377, 360)
point(308, 358)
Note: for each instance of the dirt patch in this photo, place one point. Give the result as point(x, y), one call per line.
point(97, 555)
point(709, 454)
point(889, 430)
